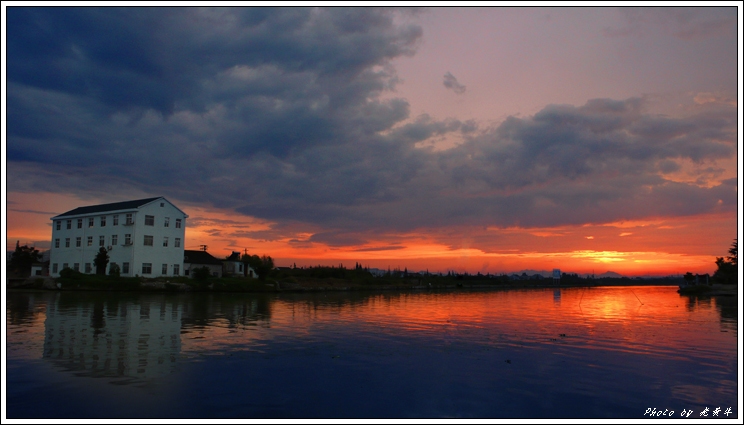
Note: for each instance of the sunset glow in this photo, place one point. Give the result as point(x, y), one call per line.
point(540, 249)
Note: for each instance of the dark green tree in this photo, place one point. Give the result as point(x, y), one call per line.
point(22, 259)
point(261, 265)
point(733, 257)
point(101, 261)
point(727, 267)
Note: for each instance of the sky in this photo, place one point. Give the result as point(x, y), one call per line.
point(487, 140)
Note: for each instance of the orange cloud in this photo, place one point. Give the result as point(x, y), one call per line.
point(659, 246)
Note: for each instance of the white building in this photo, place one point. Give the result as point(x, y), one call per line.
point(144, 237)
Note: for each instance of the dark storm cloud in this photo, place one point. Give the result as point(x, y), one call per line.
point(337, 238)
point(278, 114)
point(451, 83)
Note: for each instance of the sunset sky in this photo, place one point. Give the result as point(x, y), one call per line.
point(468, 139)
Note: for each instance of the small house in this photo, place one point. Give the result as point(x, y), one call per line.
point(195, 259)
point(233, 266)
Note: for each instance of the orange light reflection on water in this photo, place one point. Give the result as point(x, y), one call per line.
point(614, 318)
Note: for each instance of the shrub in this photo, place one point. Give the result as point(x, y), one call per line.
point(201, 273)
point(68, 273)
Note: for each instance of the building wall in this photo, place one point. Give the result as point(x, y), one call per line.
point(232, 268)
point(214, 269)
point(157, 254)
point(135, 254)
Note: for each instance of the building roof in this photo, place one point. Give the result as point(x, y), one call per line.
point(235, 256)
point(116, 206)
point(199, 257)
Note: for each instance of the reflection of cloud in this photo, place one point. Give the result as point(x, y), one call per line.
point(451, 83)
point(625, 234)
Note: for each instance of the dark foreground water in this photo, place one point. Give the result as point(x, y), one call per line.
point(610, 352)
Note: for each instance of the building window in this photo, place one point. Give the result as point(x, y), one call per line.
point(90, 240)
point(149, 220)
point(69, 224)
point(178, 223)
point(165, 269)
point(103, 221)
point(177, 243)
point(101, 240)
point(67, 242)
point(90, 221)
point(162, 204)
point(76, 267)
point(65, 266)
point(56, 243)
point(87, 268)
point(146, 268)
point(167, 222)
point(116, 220)
point(80, 223)
point(165, 241)
point(78, 242)
point(59, 224)
point(54, 268)
point(127, 239)
point(129, 219)
point(125, 268)
point(176, 269)
point(112, 265)
point(148, 240)
point(114, 239)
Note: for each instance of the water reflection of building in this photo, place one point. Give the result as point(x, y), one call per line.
point(557, 296)
point(111, 339)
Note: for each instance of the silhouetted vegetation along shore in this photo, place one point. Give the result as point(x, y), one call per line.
point(328, 279)
point(723, 281)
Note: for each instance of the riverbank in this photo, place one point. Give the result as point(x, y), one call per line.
point(184, 284)
point(710, 290)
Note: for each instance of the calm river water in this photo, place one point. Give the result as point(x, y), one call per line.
point(608, 352)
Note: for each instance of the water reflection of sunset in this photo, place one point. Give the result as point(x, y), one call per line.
point(610, 318)
point(551, 344)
